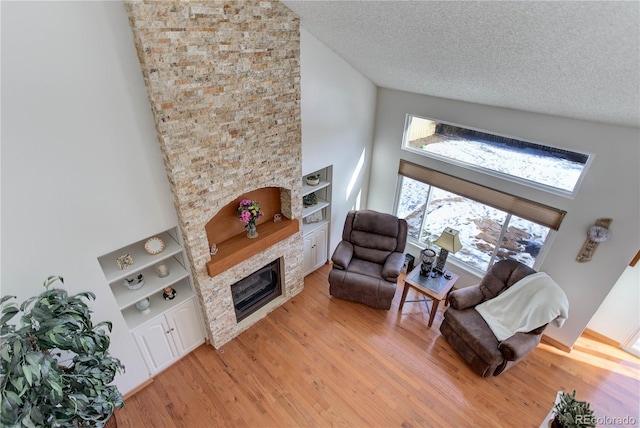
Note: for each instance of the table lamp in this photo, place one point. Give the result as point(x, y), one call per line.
point(449, 242)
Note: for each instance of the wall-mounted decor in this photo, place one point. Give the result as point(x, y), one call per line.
point(154, 245)
point(595, 235)
point(124, 261)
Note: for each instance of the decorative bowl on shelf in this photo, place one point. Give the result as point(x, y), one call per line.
point(143, 305)
point(134, 283)
point(313, 180)
point(310, 199)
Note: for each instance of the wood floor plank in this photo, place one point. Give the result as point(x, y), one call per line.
point(318, 361)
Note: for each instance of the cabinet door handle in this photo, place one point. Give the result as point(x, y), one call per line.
point(170, 330)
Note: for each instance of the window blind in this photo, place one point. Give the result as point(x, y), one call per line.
point(529, 210)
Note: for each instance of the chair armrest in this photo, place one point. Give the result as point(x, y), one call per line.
point(467, 297)
point(342, 255)
point(392, 266)
point(519, 345)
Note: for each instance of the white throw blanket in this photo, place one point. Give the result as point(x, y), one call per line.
point(533, 301)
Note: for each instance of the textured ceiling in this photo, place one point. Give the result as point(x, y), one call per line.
point(578, 59)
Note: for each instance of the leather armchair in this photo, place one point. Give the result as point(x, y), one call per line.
point(468, 333)
point(368, 260)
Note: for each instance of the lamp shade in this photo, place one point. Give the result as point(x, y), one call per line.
point(449, 240)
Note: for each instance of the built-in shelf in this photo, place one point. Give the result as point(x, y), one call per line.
point(141, 259)
point(172, 257)
point(152, 283)
point(316, 220)
point(158, 305)
point(239, 247)
point(169, 327)
point(308, 228)
point(306, 188)
point(307, 211)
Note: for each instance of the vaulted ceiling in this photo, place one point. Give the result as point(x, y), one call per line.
point(577, 59)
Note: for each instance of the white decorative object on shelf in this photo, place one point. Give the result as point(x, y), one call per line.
point(162, 270)
point(313, 180)
point(135, 282)
point(143, 305)
point(154, 245)
point(124, 261)
point(314, 217)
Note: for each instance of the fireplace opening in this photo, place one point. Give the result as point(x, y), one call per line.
point(256, 290)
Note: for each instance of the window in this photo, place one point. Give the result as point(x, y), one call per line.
point(492, 225)
point(548, 168)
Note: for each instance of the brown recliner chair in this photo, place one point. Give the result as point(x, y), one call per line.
point(466, 330)
point(368, 260)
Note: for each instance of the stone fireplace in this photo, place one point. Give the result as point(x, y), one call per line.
point(257, 290)
point(223, 80)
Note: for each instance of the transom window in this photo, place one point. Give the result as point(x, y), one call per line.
point(552, 169)
point(492, 225)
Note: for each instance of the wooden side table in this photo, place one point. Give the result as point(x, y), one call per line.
point(436, 289)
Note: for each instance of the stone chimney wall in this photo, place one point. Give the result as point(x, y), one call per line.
point(223, 80)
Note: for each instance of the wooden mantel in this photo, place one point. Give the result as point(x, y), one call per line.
point(230, 236)
point(239, 247)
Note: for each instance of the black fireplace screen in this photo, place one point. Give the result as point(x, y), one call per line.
point(253, 292)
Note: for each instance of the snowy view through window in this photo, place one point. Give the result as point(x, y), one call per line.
point(428, 210)
point(479, 225)
point(538, 164)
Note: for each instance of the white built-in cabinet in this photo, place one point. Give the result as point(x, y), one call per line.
point(167, 329)
point(166, 338)
point(316, 220)
point(315, 248)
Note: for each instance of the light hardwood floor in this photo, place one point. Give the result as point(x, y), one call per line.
point(319, 361)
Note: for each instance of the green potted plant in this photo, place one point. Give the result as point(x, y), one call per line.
point(56, 366)
point(572, 413)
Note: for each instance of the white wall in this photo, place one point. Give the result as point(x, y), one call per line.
point(619, 315)
point(610, 189)
point(82, 172)
point(338, 112)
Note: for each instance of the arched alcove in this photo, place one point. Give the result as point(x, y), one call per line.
point(228, 233)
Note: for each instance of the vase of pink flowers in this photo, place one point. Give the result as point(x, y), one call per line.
point(249, 212)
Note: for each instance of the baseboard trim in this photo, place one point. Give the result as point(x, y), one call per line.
point(138, 388)
point(549, 341)
point(600, 338)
